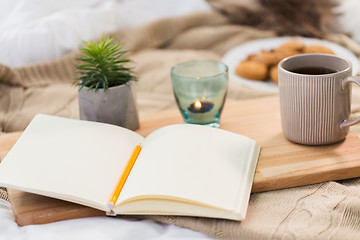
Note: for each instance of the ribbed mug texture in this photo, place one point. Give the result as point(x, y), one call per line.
point(313, 106)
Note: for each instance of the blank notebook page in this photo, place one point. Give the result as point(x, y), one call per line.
point(65, 157)
point(193, 162)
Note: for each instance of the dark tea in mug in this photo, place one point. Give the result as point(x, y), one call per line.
point(313, 70)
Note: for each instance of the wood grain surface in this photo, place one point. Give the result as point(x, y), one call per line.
point(282, 164)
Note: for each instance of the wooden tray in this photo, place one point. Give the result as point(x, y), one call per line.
point(282, 164)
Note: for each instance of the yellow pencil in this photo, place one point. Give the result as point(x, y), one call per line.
point(124, 176)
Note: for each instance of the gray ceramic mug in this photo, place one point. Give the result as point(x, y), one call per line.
point(315, 98)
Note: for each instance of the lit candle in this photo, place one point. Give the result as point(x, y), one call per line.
point(200, 106)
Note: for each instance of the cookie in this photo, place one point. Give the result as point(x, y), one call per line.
point(266, 57)
point(283, 53)
point(274, 74)
point(252, 70)
point(292, 45)
point(317, 49)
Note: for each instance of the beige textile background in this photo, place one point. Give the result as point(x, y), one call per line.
point(322, 211)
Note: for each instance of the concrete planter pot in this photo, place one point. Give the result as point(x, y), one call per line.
point(116, 106)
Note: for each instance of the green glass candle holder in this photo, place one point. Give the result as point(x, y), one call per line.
point(200, 89)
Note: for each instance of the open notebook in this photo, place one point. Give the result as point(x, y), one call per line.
point(181, 169)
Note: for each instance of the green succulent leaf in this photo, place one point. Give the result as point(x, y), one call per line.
point(101, 65)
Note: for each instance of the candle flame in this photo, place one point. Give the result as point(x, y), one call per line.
point(197, 104)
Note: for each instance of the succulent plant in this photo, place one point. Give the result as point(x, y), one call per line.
point(101, 65)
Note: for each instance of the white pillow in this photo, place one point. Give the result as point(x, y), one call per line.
point(349, 17)
point(32, 31)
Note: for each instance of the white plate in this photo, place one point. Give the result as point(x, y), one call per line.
point(237, 54)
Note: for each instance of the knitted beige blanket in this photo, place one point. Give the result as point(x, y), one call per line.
point(329, 210)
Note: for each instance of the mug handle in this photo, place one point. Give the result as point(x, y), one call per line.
point(344, 83)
